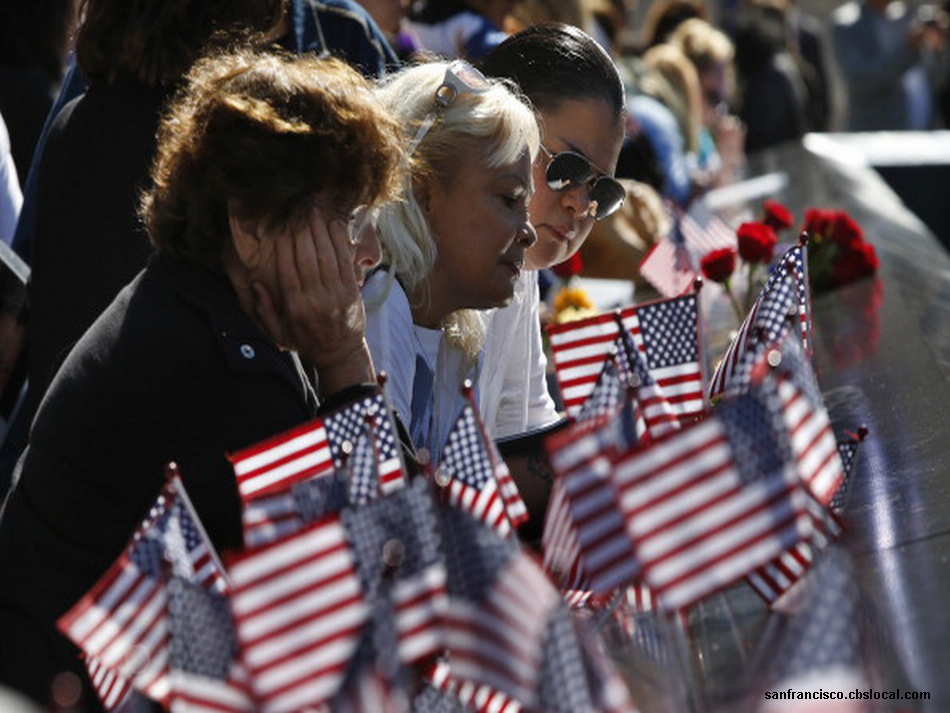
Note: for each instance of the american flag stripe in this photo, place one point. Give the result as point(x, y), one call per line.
point(477, 698)
point(390, 475)
point(580, 349)
point(607, 556)
point(667, 268)
point(772, 580)
point(813, 443)
point(269, 518)
point(111, 687)
point(196, 694)
point(121, 623)
point(420, 603)
point(497, 641)
point(695, 526)
point(298, 610)
point(734, 353)
point(280, 462)
point(484, 503)
point(515, 507)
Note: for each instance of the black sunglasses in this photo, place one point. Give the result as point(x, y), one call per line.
point(569, 168)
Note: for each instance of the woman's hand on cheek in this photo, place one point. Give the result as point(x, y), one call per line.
point(320, 313)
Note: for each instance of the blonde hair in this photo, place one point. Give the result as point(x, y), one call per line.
point(497, 122)
point(705, 45)
point(673, 79)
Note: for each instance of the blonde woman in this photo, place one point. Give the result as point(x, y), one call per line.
point(455, 242)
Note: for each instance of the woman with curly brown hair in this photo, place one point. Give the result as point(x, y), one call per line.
point(246, 320)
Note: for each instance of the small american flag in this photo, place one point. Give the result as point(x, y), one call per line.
point(657, 411)
point(710, 505)
point(772, 580)
point(499, 606)
point(766, 323)
point(270, 474)
point(666, 332)
point(298, 608)
point(475, 476)
point(568, 451)
point(317, 447)
point(848, 450)
point(673, 263)
point(813, 442)
point(122, 624)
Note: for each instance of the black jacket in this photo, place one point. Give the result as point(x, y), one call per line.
point(173, 370)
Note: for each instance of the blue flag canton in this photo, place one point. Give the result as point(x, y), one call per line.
point(363, 469)
point(632, 361)
point(668, 329)
point(753, 427)
point(345, 427)
point(318, 497)
point(400, 528)
point(777, 303)
point(825, 633)
point(148, 549)
point(465, 456)
point(797, 369)
point(202, 634)
point(431, 700)
point(474, 553)
point(606, 397)
point(564, 684)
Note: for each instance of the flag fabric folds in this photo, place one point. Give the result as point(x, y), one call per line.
point(298, 609)
point(475, 477)
point(275, 477)
point(146, 623)
point(707, 507)
point(320, 446)
point(783, 303)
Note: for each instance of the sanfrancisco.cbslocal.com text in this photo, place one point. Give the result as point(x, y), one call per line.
point(857, 694)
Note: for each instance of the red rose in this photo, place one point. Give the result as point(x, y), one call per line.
point(570, 267)
point(756, 242)
point(776, 215)
point(719, 265)
point(845, 232)
point(854, 264)
point(818, 222)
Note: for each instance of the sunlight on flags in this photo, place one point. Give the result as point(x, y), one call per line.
point(157, 621)
point(666, 332)
point(474, 476)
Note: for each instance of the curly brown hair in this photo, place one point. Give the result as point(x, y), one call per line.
point(154, 42)
point(269, 132)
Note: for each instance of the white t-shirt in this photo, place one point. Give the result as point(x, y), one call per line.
point(513, 390)
point(425, 372)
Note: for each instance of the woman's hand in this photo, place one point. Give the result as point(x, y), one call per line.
point(319, 311)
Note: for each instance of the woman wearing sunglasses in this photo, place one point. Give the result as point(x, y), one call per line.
point(579, 97)
point(454, 243)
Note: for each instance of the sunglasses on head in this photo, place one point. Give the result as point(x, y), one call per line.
point(460, 78)
point(568, 169)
